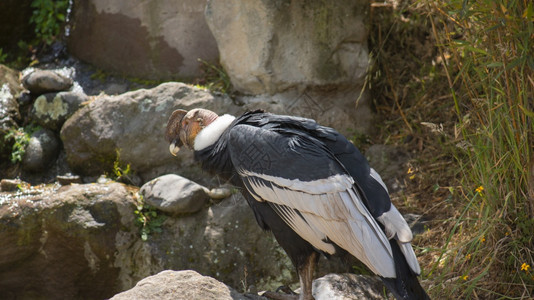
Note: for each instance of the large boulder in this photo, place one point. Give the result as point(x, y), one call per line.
point(178, 285)
point(130, 128)
point(143, 39)
point(62, 242)
point(270, 46)
point(305, 58)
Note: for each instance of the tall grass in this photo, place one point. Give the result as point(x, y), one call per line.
point(488, 47)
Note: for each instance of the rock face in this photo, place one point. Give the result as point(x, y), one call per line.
point(174, 194)
point(134, 125)
point(64, 242)
point(305, 58)
point(162, 39)
point(270, 46)
point(178, 285)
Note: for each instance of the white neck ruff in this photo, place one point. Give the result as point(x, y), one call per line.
point(211, 133)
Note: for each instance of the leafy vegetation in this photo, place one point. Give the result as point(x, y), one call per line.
point(214, 78)
point(48, 17)
point(148, 219)
point(21, 138)
point(454, 82)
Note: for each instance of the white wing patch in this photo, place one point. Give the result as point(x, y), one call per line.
point(327, 209)
point(396, 227)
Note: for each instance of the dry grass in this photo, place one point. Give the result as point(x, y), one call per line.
point(475, 246)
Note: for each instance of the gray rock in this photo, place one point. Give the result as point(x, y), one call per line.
point(348, 287)
point(174, 194)
point(164, 39)
point(64, 241)
point(51, 110)
point(9, 91)
point(41, 151)
point(134, 124)
point(45, 81)
point(11, 185)
point(178, 285)
point(270, 46)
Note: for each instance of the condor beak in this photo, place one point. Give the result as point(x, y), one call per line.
point(173, 148)
point(174, 131)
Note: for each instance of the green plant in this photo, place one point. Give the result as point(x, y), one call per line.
point(148, 219)
point(215, 78)
point(48, 17)
point(120, 172)
point(3, 56)
point(21, 138)
point(488, 50)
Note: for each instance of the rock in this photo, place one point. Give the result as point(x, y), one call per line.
point(220, 193)
point(271, 46)
point(348, 286)
point(41, 151)
point(131, 126)
point(51, 110)
point(224, 241)
point(171, 285)
point(45, 81)
point(9, 108)
point(164, 39)
point(11, 185)
point(68, 179)
point(174, 194)
point(64, 242)
point(9, 92)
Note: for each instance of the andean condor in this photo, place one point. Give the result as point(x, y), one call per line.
point(309, 186)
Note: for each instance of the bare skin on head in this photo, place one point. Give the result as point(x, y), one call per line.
point(183, 127)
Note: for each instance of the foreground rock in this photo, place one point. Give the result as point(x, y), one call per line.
point(348, 287)
point(64, 241)
point(191, 285)
point(177, 285)
point(132, 126)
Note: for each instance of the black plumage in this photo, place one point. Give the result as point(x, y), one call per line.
point(313, 190)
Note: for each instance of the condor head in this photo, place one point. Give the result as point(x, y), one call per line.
point(183, 127)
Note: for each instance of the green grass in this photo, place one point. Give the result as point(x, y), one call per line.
point(488, 50)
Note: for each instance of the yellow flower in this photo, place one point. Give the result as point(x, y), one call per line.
point(482, 239)
point(412, 177)
point(468, 256)
point(465, 277)
point(479, 189)
point(525, 267)
point(410, 170)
